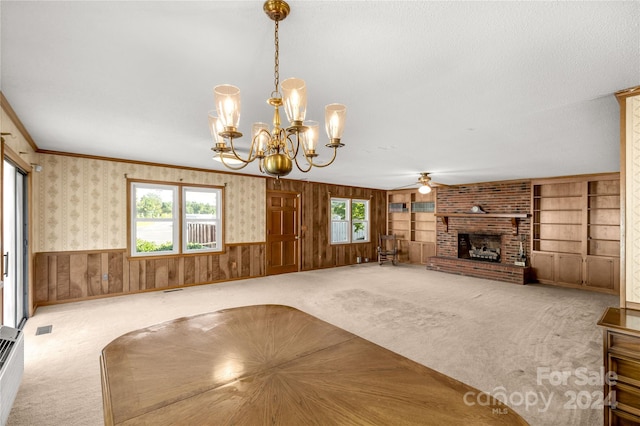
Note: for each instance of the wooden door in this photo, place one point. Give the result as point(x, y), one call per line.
point(283, 217)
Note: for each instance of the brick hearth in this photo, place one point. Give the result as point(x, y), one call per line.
point(475, 268)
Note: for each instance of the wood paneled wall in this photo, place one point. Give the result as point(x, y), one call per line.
point(78, 275)
point(70, 276)
point(316, 249)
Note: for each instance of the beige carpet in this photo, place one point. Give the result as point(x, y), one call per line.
point(505, 339)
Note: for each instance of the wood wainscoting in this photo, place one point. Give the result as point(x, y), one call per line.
point(316, 250)
point(80, 275)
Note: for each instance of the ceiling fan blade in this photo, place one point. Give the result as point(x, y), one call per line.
point(406, 186)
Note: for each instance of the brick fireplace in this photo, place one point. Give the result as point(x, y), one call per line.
point(482, 247)
point(506, 219)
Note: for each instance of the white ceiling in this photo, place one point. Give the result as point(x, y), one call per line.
point(470, 91)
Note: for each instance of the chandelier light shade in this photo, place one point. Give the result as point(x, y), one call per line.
point(309, 138)
point(260, 133)
point(424, 189)
point(276, 148)
point(294, 93)
point(227, 98)
point(335, 115)
point(215, 127)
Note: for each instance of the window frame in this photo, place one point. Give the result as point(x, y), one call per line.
point(179, 219)
point(346, 220)
point(217, 219)
point(366, 220)
point(349, 220)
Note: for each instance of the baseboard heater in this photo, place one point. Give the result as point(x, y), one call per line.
point(11, 368)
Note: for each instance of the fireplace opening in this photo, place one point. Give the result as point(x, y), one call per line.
point(482, 247)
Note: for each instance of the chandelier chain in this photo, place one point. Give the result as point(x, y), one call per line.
point(276, 71)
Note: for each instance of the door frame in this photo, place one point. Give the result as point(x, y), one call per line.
point(298, 255)
point(10, 155)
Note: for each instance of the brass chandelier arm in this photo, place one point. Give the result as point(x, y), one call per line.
point(310, 160)
point(291, 148)
point(312, 164)
point(233, 167)
point(303, 170)
point(235, 154)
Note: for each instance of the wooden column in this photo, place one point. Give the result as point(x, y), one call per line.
point(629, 101)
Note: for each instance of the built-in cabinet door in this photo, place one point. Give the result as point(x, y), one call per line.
point(542, 264)
point(420, 252)
point(569, 269)
point(602, 272)
point(415, 252)
point(428, 250)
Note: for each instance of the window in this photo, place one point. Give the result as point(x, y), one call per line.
point(172, 219)
point(349, 221)
point(201, 219)
point(359, 221)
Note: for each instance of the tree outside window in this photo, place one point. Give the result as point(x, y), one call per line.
point(347, 214)
point(360, 220)
point(156, 221)
point(153, 228)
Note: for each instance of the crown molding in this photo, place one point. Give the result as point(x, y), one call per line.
point(6, 106)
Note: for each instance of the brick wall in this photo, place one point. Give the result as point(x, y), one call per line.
point(498, 197)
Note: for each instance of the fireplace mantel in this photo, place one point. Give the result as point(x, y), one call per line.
point(444, 217)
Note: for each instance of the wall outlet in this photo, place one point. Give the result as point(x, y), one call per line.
point(105, 277)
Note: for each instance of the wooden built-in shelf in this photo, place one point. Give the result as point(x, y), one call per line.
point(410, 217)
point(444, 217)
point(576, 232)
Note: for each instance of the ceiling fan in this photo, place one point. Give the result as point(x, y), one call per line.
point(425, 182)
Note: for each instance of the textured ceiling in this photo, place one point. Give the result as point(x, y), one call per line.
point(470, 91)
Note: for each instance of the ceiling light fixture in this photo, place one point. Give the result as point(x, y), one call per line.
point(277, 149)
point(424, 181)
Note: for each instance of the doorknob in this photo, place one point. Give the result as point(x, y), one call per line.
point(6, 264)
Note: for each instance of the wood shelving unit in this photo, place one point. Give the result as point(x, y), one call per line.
point(410, 216)
point(576, 231)
point(604, 218)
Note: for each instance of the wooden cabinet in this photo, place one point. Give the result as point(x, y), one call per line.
point(569, 267)
point(411, 218)
point(602, 272)
point(621, 342)
point(576, 232)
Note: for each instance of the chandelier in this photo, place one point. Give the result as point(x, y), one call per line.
point(276, 149)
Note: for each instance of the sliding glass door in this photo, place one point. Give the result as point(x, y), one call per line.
point(14, 218)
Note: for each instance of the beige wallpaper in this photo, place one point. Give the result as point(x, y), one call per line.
point(633, 199)
point(80, 203)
